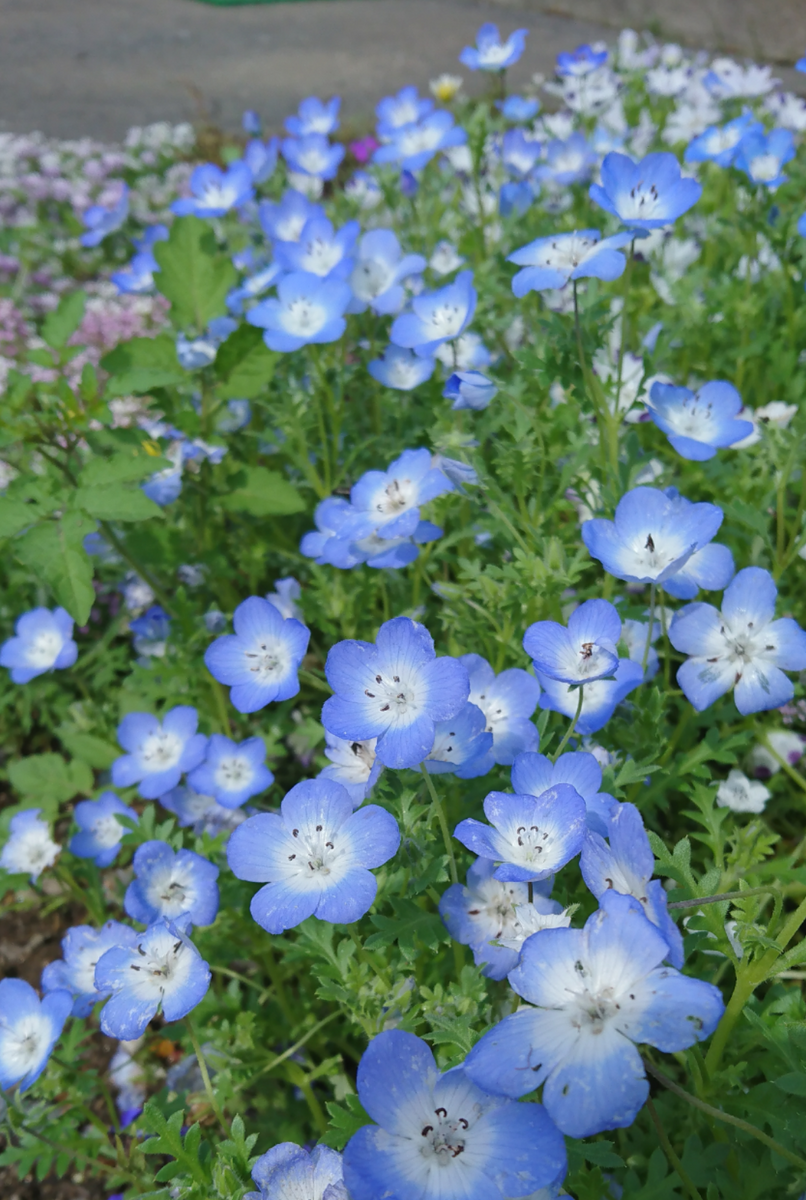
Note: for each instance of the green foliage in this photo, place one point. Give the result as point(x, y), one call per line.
point(263, 493)
point(193, 275)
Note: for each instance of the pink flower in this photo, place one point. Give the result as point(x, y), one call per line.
point(363, 149)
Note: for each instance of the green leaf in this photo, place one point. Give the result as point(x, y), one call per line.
point(48, 777)
point(142, 364)
point(793, 1084)
point(116, 502)
point(15, 515)
point(263, 493)
point(92, 750)
point(634, 772)
point(53, 551)
point(344, 1122)
point(193, 275)
point(121, 468)
point(244, 364)
point(410, 929)
point(752, 518)
point(601, 1154)
point(62, 323)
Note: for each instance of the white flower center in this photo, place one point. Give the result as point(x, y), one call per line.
point(403, 372)
point(446, 320)
point(321, 256)
point(164, 966)
point(445, 1135)
point(268, 659)
point(370, 278)
point(396, 695)
point(302, 317)
point(313, 160)
point(24, 1043)
point(290, 227)
point(532, 842)
point(417, 139)
point(171, 891)
point(723, 139)
point(493, 710)
point(651, 557)
point(398, 496)
point(644, 202)
point(161, 751)
point(318, 854)
point(765, 167)
point(106, 831)
point(43, 649)
point(492, 55)
point(215, 196)
point(82, 974)
point(233, 773)
point(31, 851)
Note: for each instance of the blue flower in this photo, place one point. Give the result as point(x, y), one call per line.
point(507, 701)
point(163, 971)
point(314, 857)
point(592, 994)
point(253, 286)
point(354, 765)
point(516, 197)
point(469, 389)
point(30, 848)
point(406, 108)
point(388, 502)
point(549, 262)
point(634, 635)
point(194, 353)
point(138, 277)
point(285, 596)
point(232, 773)
point(412, 146)
point(646, 194)
point(151, 631)
point(251, 123)
point(462, 745)
point(569, 161)
point(720, 143)
point(401, 369)
point(626, 865)
point(519, 153)
point(379, 272)
point(215, 191)
point(441, 1137)
point(99, 829)
point(320, 250)
point(261, 158)
point(600, 698)
point(100, 221)
point(585, 651)
point(742, 647)
point(178, 886)
point(580, 62)
point(800, 65)
point(43, 641)
point(495, 918)
point(261, 659)
point(490, 53)
point(761, 156)
point(29, 1029)
point(284, 220)
point(307, 310)
point(653, 535)
point(534, 774)
point(395, 690)
point(699, 423)
point(518, 108)
point(289, 1171)
point(203, 813)
point(157, 754)
point(313, 155)
point(437, 317)
point(329, 516)
point(313, 116)
point(530, 836)
point(74, 972)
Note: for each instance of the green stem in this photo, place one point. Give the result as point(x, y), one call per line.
point(281, 1058)
point(669, 1151)
point(91, 1161)
point(443, 824)
point(221, 705)
point(570, 728)
point(205, 1074)
point(758, 891)
point(794, 775)
point(137, 567)
point(648, 643)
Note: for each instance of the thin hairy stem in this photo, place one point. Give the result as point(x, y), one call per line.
point(443, 824)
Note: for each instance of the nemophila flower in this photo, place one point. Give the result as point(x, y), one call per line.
point(800, 65)
point(308, 309)
point(100, 221)
point(162, 972)
point(581, 61)
point(284, 220)
point(652, 536)
point(157, 753)
point(516, 197)
point(742, 647)
point(519, 153)
point(288, 1170)
point(43, 641)
point(215, 192)
point(314, 116)
point(320, 250)
point(253, 286)
point(625, 863)
point(362, 188)
point(762, 156)
point(440, 1137)
point(740, 794)
point(388, 502)
point(401, 369)
point(584, 651)
point(395, 690)
point(534, 774)
point(490, 53)
point(595, 993)
point(437, 317)
point(314, 857)
point(179, 886)
point(29, 1029)
point(599, 700)
point(261, 158)
point(285, 596)
point(645, 194)
point(518, 108)
point(329, 516)
point(354, 765)
point(445, 259)
point(406, 108)
point(30, 849)
point(251, 122)
point(567, 162)
point(413, 146)
point(469, 389)
point(467, 353)
point(99, 829)
point(232, 773)
point(259, 662)
point(786, 745)
point(719, 143)
point(458, 472)
point(531, 837)
point(550, 262)
point(485, 912)
point(728, 79)
point(699, 423)
point(313, 155)
point(203, 813)
point(151, 632)
point(74, 972)
point(462, 745)
point(634, 637)
point(379, 271)
point(194, 353)
point(138, 277)
point(507, 701)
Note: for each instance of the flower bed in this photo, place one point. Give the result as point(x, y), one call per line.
point(402, 615)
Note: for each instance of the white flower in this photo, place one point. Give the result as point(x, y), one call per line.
point(787, 110)
point(30, 849)
point(776, 413)
point(789, 746)
point(445, 259)
point(529, 919)
point(740, 794)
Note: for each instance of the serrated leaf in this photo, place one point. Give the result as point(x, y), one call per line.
point(92, 750)
point(244, 364)
point(121, 468)
point(16, 514)
point(344, 1122)
point(410, 929)
point(264, 493)
point(793, 1084)
point(49, 777)
point(116, 502)
point(194, 276)
point(142, 364)
point(59, 325)
point(53, 551)
point(634, 772)
point(601, 1154)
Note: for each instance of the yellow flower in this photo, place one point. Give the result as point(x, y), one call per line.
point(445, 87)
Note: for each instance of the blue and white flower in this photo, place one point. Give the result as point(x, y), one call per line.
point(519, 153)
point(285, 596)
point(699, 423)
point(584, 651)
point(261, 158)
point(599, 700)
point(201, 813)
point(567, 161)
point(580, 62)
point(232, 773)
point(413, 146)
point(762, 156)
point(288, 1170)
point(320, 250)
point(151, 632)
point(406, 108)
point(550, 262)
point(507, 701)
point(74, 972)
point(490, 53)
point(462, 745)
point(284, 220)
point(312, 155)
point(379, 272)
point(354, 765)
point(646, 194)
point(157, 753)
point(314, 857)
point(30, 849)
point(179, 886)
point(252, 287)
point(43, 641)
point(100, 221)
point(401, 369)
point(215, 192)
point(259, 662)
point(531, 837)
point(314, 116)
point(388, 502)
point(198, 352)
point(519, 109)
point(307, 309)
point(533, 774)
point(720, 143)
point(99, 829)
point(29, 1029)
point(437, 317)
point(469, 389)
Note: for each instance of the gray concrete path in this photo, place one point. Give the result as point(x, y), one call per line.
point(96, 67)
